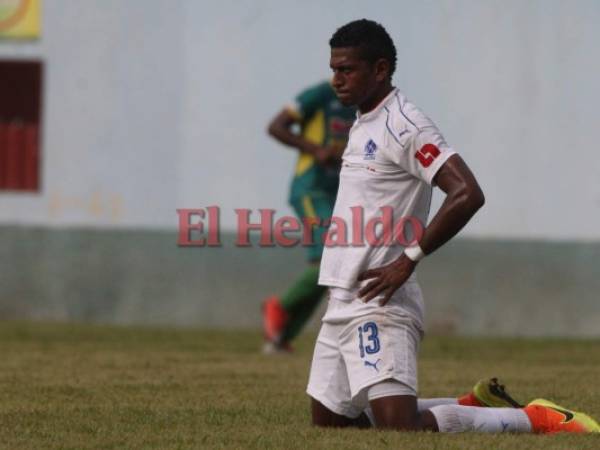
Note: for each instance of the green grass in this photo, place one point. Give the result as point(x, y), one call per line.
point(80, 386)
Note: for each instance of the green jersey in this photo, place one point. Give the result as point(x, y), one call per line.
point(325, 122)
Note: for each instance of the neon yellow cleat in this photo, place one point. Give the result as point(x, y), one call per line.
point(493, 394)
point(548, 417)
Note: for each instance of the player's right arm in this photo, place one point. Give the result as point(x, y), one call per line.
point(281, 128)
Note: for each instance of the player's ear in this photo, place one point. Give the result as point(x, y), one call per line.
point(382, 70)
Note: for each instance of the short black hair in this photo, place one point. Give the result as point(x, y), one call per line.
point(372, 38)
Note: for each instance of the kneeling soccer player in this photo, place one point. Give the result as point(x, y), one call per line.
point(366, 352)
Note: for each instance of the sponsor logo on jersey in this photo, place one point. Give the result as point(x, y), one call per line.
point(427, 154)
point(370, 149)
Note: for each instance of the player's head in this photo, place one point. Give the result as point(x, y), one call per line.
point(363, 58)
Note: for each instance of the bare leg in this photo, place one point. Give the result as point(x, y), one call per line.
point(324, 417)
point(399, 412)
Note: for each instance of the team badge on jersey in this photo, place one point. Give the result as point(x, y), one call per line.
point(370, 149)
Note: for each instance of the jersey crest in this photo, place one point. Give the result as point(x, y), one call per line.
point(370, 149)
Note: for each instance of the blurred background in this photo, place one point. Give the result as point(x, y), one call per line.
point(113, 114)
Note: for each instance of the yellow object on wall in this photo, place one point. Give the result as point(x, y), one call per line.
point(20, 19)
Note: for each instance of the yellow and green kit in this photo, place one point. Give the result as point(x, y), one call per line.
point(324, 121)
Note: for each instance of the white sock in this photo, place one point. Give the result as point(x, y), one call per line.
point(428, 403)
point(456, 418)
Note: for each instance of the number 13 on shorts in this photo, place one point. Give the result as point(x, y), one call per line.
point(368, 334)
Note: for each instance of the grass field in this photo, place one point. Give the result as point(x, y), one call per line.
point(79, 386)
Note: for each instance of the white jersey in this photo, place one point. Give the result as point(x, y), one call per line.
point(392, 156)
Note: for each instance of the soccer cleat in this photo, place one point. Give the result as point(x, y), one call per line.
point(547, 417)
point(489, 393)
point(274, 319)
point(493, 394)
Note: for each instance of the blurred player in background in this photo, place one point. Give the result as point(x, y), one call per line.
point(365, 357)
point(316, 125)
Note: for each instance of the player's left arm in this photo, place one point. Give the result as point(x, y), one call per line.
point(463, 199)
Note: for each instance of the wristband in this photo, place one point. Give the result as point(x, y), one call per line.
point(414, 253)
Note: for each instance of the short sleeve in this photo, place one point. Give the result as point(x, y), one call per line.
point(309, 101)
point(422, 154)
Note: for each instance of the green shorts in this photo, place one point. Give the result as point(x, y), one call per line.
point(315, 205)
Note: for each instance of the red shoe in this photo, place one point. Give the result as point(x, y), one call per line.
point(274, 319)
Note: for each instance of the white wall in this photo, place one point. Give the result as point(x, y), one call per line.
point(162, 104)
point(112, 114)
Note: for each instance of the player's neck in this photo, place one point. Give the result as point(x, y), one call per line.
point(382, 92)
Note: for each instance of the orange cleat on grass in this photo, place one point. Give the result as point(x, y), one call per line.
point(548, 417)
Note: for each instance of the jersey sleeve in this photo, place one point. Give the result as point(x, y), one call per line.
point(310, 100)
point(422, 154)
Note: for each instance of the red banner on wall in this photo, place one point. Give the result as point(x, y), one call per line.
point(19, 157)
point(20, 124)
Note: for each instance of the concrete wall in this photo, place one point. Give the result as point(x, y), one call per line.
point(470, 286)
point(114, 89)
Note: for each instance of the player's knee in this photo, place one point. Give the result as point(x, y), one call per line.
point(329, 421)
point(322, 416)
point(319, 423)
point(319, 420)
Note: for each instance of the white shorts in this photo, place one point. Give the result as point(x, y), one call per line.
point(351, 357)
